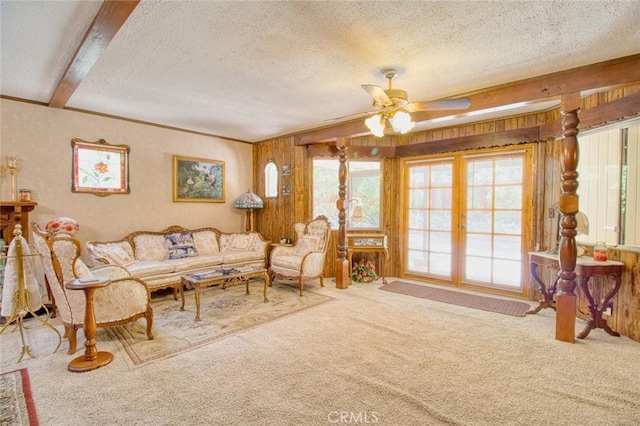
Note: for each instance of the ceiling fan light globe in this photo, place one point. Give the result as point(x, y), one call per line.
point(401, 122)
point(375, 124)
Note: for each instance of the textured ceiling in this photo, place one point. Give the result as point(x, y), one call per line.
point(253, 70)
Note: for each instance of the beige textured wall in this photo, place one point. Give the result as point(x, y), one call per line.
point(41, 136)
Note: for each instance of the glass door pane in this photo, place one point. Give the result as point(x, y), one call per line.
point(491, 220)
point(429, 218)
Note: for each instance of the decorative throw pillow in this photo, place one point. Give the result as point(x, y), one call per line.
point(206, 242)
point(241, 242)
point(64, 225)
point(180, 245)
point(117, 255)
point(150, 247)
point(307, 244)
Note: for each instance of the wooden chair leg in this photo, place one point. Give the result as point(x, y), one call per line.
point(73, 340)
point(301, 284)
point(149, 317)
point(51, 298)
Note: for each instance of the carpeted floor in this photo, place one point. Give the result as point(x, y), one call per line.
point(222, 312)
point(491, 304)
point(16, 403)
point(367, 355)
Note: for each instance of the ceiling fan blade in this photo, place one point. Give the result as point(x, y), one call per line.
point(359, 114)
point(378, 94)
point(442, 104)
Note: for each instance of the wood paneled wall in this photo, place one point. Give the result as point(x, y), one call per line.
point(276, 220)
point(626, 311)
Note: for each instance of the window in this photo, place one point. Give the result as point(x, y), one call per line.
point(363, 192)
point(609, 163)
point(271, 180)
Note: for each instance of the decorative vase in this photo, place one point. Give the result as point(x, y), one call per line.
point(600, 252)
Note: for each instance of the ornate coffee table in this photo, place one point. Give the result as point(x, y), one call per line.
point(224, 277)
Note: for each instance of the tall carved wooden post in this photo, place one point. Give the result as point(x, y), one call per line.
point(342, 264)
point(568, 206)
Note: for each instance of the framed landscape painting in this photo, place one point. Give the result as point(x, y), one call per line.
point(99, 168)
point(198, 180)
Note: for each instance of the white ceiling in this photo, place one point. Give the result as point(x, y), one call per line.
point(252, 70)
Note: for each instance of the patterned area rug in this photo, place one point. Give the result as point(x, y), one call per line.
point(16, 404)
point(222, 312)
point(501, 306)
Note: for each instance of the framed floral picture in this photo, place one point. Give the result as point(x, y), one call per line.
point(100, 168)
point(198, 180)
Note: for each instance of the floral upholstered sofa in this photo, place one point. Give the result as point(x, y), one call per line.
point(161, 258)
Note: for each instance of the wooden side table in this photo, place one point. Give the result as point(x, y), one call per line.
point(91, 359)
point(368, 243)
point(586, 269)
point(543, 259)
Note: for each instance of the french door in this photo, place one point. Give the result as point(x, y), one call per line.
point(466, 219)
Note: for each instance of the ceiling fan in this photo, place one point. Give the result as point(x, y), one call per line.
point(392, 105)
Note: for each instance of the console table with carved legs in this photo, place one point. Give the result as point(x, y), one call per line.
point(586, 269)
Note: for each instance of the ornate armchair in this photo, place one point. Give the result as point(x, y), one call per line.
point(124, 300)
point(304, 260)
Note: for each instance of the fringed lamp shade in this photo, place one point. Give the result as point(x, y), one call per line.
point(249, 202)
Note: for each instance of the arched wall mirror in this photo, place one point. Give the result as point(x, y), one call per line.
point(609, 193)
point(270, 180)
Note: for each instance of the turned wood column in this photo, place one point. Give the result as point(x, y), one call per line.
point(342, 263)
point(92, 358)
point(568, 206)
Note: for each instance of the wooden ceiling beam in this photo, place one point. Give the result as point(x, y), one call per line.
point(551, 86)
point(355, 151)
point(598, 116)
point(507, 137)
point(350, 129)
point(547, 87)
point(108, 21)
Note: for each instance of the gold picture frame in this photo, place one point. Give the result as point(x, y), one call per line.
point(99, 168)
point(198, 180)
